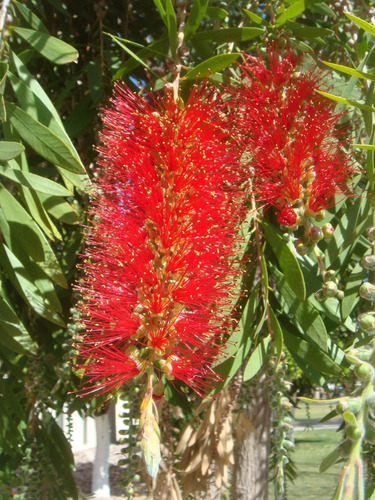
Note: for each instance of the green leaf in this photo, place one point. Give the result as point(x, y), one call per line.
point(361, 23)
point(311, 355)
point(42, 140)
point(25, 237)
point(34, 181)
point(48, 46)
point(59, 209)
point(287, 260)
point(25, 285)
point(302, 313)
point(293, 11)
point(9, 150)
point(328, 401)
point(172, 26)
point(195, 17)
point(349, 418)
point(216, 13)
point(330, 460)
point(239, 344)
point(350, 71)
point(352, 285)
point(307, 32)
point(277, 335)
point(227, 35)
point(348, 102)
point(161, 10)
point(10, 324)
point(150, 51)
point(256, 359)
point(131, 53)
point(37, 104)
point(211, 66)
point(370, 147)
point(254, 17)
point(30, 17)
point(321, 8)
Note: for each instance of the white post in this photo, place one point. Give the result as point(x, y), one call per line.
point(100, 475)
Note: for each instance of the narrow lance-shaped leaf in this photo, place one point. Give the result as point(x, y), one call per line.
point(257, 359)
point(195, 17)
point(10, 150)
point(287, 260)
point(227, 35)
point(211, 66)
point(53, 49)
point(26, 237)
point(33, 181)
point(361, 23)
point(172, 26)
point(42, 140)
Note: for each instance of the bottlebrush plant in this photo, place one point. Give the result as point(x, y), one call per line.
point(162, 244)
point(294, 147)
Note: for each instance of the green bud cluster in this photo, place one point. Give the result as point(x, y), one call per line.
point(330, 287)
point(281, 442)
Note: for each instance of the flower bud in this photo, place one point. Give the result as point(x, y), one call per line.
point(364, 371)
point(328, 230)
point(329, 289)
point(319, 216)
point(368, 262)
point(363, 354)
point(340, 295)
point(371, 233)
point(349, 404)
point(366, 323)
point(288, 445)
point(319, 296)
point(316, 234)
point(367, 291)
point(353, 433)
point(328, 275)
point(301, 248)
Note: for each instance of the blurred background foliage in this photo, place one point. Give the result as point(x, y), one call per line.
point(59, 62)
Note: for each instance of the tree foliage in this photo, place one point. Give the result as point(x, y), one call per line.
point(59, 61)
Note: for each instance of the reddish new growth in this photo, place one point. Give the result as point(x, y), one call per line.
point(162, 242)
point(293, 144)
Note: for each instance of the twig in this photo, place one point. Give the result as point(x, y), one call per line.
point(181, 17)
point(3, 16)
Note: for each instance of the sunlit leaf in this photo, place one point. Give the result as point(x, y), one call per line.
point(211, 66)
point(53, 49)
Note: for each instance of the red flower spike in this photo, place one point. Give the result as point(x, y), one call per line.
point(163, 239)
point(290, 134)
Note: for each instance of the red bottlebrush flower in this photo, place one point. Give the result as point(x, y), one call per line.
point(291, 136)
point(162, 241)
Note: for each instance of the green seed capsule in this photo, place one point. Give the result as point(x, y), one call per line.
point(329, 289)
point(367, 291)
point(349, 404)
point(319, 216)
point(371, 233)
point(368, 262)
point(353, 433)
point(364, 371)
point(340, 295)
point(319, 296)
point(366, 323)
